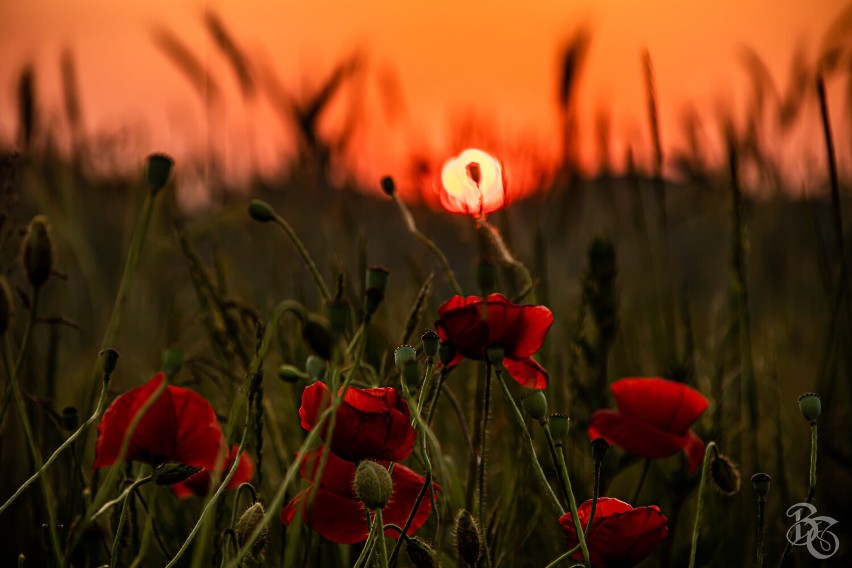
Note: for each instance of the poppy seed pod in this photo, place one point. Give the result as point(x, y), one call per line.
point(5, 306)
point(495, 355)
point(760, 482)
point(110, 360)
point(810, 406)
point(388, 186)
point(173, 472)
point(246, 525)
point(430, 341)
point(402, 355)
point(261, 211)
point(599, 449)
point(37, 252)
point(373, 484)
point(420, 554)
point(158, 171)
point(467, 537)
point(725, 475)
point(377, 279)
point(535, 404)
point(559, 426)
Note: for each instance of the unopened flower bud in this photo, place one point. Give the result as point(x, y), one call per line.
point(158, 172)
point(377, 279)
point(70, 418)
point(317, 336)
point(109, 360)
point(37, 252)
point(315, 367)
point(810, 406)
point(535, 404)
point(373, 485)
point(430, 341)
point(725, 475)
point(402, 355)
point(446, 353)
point(291, 374)
point(388, 186)
point(467, 537)
point(172, 361)
point(599, 449)
point(420, 554)
point(760, 482)
point(246, 525)
point(261, 211)
point(5, 306)
point(173, 472)
point(495, 354)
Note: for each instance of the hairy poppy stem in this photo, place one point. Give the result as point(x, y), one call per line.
point(441, 378)
point(558, 460)
point(146, 534)
point(564, 557)
point(761, 507)
point(303, 252)
point(483, 448)
point(506, 258)
point(403, 533)
point(122, 519)
point(595, 494)
point(367, 551)
point(428, 243)
point(530, 448)
point(710, 449)
point(811, 484)
point(380, 535)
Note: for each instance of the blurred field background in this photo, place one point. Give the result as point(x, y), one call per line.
point(732, 250)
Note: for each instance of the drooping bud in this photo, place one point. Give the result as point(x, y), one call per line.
point(173, 472)
point(388, 186)
point(467, 537)
point(760, 482)
point(246, 525)
point(810, 406)
point(373, 484)
point(495, 354)
point(420, 554)
point(446, 353)
point(70, 418)
point(430, 341)
point(5, 306)
point(317, 336)
point(535, 404)
point(37, 252)
point(158, 172)
point(599, 449)
point(725, 475)
point(109, 360)
point(261, 211)
point(291, 374)
point(315, 367)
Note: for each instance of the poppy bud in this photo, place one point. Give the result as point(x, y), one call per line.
point(173, 472)
point(420, 554)
point(388, 186)
point(373, 485)
point(158, 172)
point(172, 361)
point(290, 374)
point(5, 306)
point(446, 353)
point(70, 418)
point(495, 354)
point(430, 341)
point(375, 287)
point(37, 252)
point(338, 314)
point(246, 525)
point(599, 449)
point(467, 537)
point(810, 406)
point(402, 355)
point(110, 360)
point(535, 403)
point(261, 211)
point(760, 482)
point(316, 334)
point(725, 475)
point(486, 277)
point(315, 367)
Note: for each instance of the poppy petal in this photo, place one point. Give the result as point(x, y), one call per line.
point(668, 405)
point(694, 450)
point(636, 437)
point(315, 399)
point(527, 372)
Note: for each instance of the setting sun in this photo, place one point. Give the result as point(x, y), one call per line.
point(473, 183)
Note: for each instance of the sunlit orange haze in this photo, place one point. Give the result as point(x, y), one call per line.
point(433, 77)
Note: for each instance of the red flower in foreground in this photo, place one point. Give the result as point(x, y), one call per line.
point(180, 426)
point(473, 325)
point(653, 419)
point(621, 536)
point(371, 423)
point(337, 514)
point(199, 484)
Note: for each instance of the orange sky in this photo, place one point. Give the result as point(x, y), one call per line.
point(497, 60)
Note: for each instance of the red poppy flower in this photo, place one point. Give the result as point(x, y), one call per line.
point(371, 423)
point(621, 536)
point(337, 514)
point(473, 325)
point(180, 426)
point(199, 484)
point(653, 419)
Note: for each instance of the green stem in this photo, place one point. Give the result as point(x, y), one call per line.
point(530, 448)
point(563, 557)
point(441, 378)
point(122, 519)
point(812, 477)
point(312, 267)
point(554, 454)
point(427, 379)
point(711, 447)
point(380, 534)
point(507, 258)
point(149, 530)
point(595, 495)
point(367, 551)
point(761, 506)
point(483, 458)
